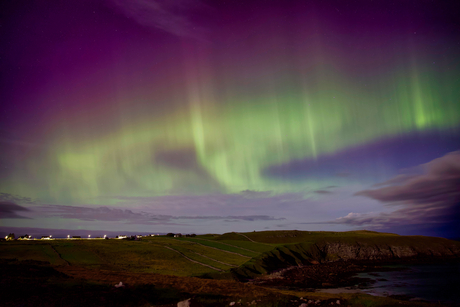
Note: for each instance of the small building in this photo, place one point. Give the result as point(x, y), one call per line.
point(10, 237)
point(46, 237)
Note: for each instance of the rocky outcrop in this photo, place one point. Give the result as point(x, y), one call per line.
point(385, 249)
point(399, 249)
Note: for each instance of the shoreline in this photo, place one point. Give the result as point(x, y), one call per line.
point(340, 276)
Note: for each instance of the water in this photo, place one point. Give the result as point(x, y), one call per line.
point(431, 282)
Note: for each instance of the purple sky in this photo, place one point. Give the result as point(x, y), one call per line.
point(213, 116)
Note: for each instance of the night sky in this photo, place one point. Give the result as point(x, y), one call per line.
point(217, 116)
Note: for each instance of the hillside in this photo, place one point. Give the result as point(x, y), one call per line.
point(317, 247)
point(168, 267)
point(231, 255)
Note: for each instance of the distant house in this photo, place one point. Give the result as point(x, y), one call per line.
point(121, 237)
point(46, 237)
point(25, 237)
point(178, 235)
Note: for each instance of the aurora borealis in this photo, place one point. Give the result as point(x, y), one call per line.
point(214, 116)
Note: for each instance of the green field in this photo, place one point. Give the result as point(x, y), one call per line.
point(220, 256)
point(163, 255)
point(186, 256)
point(95, 265)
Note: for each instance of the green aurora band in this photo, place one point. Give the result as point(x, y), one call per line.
point(230, 140)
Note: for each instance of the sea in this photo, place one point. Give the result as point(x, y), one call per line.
point(430, 282)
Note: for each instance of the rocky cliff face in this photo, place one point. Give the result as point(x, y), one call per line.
point(365, 251)
point(350, 249)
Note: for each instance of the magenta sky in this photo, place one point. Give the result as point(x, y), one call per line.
point(214, 116)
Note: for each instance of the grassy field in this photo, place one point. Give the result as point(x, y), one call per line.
point(163, 255)
point(175, 262)
point(191, 256)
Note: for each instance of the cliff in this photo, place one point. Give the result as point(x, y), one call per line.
point(382, 248)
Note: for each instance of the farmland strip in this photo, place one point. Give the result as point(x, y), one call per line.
point(221, 262)
point(206, 265)
point(223, 250)
point(251, 239)
point(59, 255)
point(234, 245)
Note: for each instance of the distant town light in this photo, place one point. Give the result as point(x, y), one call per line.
point(89, 236)
point(105, 236)
point(68, 236)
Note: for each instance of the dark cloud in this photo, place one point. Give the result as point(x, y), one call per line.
point(15, 198)
point(322, 192)
point(440, 184)
point(245, 200)
point(233, 218)
point(255, 194)
point(406, 150)
point(8, 210)
point(101, 214)
point(399, 179)
point(128, 216)
point(430, 199)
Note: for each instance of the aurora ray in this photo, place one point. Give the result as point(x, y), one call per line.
point(125, 109)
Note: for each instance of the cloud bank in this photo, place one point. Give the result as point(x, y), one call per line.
point(8, 210)
point(431, 199)
point(129, 216)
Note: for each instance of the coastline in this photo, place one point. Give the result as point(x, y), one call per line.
point(340, 276)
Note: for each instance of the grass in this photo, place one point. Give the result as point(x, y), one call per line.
point(220, 255)
point(38, 251)
point(225, 246)
point(76, 252)
point(248, 254)
point(224, 252)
